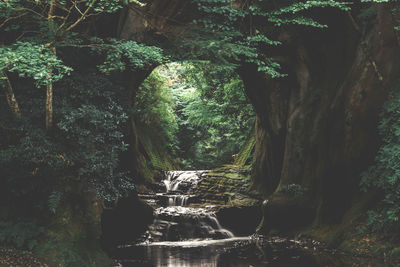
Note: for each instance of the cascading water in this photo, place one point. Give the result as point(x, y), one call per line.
point(176, 222)
point(179, 186)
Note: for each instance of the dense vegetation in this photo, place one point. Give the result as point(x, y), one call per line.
point(214, 111)
point(66, 107)
point(384, 174)
point(199, 110)
point(62, 120)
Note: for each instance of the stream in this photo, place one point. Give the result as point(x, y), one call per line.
point(182, 235)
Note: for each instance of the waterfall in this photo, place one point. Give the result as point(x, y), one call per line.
point(175, 178)
point(175, 221)
point(179, 185)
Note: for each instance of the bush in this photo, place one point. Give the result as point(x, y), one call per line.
point(384, 175)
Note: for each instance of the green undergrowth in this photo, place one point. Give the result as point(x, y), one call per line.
point(66, 243)
point(68, 237)
point(72, 238)
point(351, 237)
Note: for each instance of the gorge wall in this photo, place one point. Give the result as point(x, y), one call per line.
point(316, 129)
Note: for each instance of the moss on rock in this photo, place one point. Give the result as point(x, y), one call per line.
point(227, 190)
point(72, 237)
point(227, 186)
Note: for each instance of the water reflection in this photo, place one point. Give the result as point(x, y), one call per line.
point(182, 257)
point(234, 252)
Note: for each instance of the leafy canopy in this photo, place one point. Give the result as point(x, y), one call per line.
point(39, 40)
point(243, 32)
point(30, 28)
point(208, 118)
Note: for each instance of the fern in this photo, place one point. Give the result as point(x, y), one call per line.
point(54, 201)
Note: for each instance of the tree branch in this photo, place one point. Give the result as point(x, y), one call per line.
point(365, 47)
point(11, 18)
point(72, 26)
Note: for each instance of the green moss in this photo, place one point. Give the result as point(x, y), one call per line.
point(395, 253)
point(226, 186)
point(243, 156)
point(72, 237)
point(348, 236)
point(154, 156)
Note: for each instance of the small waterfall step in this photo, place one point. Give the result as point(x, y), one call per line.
point(182, 180)
point(182, 223)
point(177, 189)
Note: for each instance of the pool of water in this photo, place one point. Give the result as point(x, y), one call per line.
point(237, 252)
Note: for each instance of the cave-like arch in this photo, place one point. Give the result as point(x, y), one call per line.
point(315, 128)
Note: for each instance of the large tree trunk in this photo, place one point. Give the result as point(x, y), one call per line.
point(318, 127)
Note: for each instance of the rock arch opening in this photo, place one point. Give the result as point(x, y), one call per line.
point(195, 111)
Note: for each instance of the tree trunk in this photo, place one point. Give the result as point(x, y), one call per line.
point(49, 99)
point(10, 96)
point(49, 87)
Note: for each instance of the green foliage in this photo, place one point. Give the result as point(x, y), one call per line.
point(20, 234)
point(378, 1)
point(155, 127)
point(70, 258)
point(43, 173)
point(235, 33)
point(91, 122)
point(245, 154)
point(54, 201)
point(111, 6)
point(196, 111)
point(154, 109)
point(33, 61)
point(87, 145)
point(120, 54)
point(30, 31)
point(214, 116)
point(40, 169)
point(384, 174)
point(89, 111)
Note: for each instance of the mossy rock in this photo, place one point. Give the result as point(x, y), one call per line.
point(126, 222)
point(395, 253)
point(226, 186)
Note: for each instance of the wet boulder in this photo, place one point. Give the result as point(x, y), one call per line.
point(240, 220)
point(285, 213)
point(126, 222)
